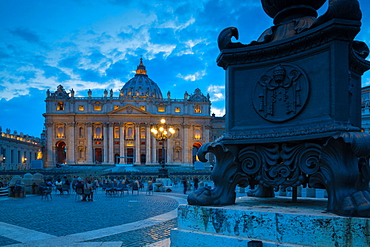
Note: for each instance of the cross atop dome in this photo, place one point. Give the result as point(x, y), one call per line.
point(141, 68)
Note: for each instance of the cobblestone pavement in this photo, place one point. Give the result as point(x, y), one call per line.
point(65, 220)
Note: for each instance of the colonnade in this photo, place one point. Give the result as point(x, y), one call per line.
point(113, 145)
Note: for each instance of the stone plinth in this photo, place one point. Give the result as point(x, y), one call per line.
point(275, 222)
point(28, 181)
point(16, 187)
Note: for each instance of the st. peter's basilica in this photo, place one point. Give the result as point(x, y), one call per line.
point(117, 130)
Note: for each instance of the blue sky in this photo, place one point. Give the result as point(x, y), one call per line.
point(97, 44)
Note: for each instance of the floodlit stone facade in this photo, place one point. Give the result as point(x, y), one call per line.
point(18, 151)
point(116, 130)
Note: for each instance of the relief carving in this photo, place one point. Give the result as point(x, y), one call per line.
point(281, 93)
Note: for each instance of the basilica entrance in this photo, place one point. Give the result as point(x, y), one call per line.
point(130, 156)
point(60, 152)
point(161, 153)
point(143, 159)
point(196, 147)
point(98, 155)
point(116, 159)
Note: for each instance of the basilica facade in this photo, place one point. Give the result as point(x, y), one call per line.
point(116, 130)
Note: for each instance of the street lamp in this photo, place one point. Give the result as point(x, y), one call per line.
point(162, 132)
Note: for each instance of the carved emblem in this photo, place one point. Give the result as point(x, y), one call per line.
point(281, 93)
point(129, 109)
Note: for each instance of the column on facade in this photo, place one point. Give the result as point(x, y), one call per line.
point(186, 148)
point(50, 152)
point(122, 143)
point(148, 144)
point(111, 144)
point(154, 149)
point(21, 156)
point(137, 144)
point(89, 153)
point(105, 142)
point(207, 139)
point(207, 134)
point(7, 156)
point(71, 143)
point(169, 151)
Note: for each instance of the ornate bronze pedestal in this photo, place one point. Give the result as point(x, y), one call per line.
point(293, 108)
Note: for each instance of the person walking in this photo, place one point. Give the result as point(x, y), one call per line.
point(88, 191)
point(135, 186)
point(150, 187)
point(185, 184)
point(58, 185)
point(196, 183)
point(79, 187)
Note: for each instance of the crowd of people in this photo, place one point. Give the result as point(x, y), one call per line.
point(86, 187)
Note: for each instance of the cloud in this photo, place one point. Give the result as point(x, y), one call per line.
point(89, 75)
point(55, 73)
point(216, 92)
point(27, 35)
point(70, 61)
point(96, 57)
point(119, 69)
point(219, 112)
point(193, 77)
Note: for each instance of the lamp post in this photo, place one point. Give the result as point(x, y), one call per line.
point(162, 132)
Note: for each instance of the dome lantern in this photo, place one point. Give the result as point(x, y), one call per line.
point(141, 86)
point(141, 68)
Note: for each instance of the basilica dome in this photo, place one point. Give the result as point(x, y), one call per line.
point(141, 86)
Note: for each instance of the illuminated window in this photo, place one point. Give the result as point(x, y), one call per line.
point(98, 133)
point(142, 107)
point(97, 107)
point(81, 108)
point(115, 107)
point(142, 132)
point(197, 133)
point(161, 109)
point(60, 131)
point(197, 109)
point(116, 132)
point(130, 132)
point(39, 155)
point(177, 109)
point(60, 106)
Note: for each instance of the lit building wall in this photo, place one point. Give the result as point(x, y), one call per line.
point(109, 129)
point(18, 151)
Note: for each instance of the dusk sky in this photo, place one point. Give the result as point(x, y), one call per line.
point(97, 45)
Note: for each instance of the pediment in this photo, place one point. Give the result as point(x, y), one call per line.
point(129, 109)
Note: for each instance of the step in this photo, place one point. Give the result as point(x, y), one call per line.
point(4, 192)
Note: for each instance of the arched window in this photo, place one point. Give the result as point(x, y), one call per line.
point(130, 134)
point(197, 109)
point(60, 106)
point(197, 133)
point(98, 132)
point(60, 131)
